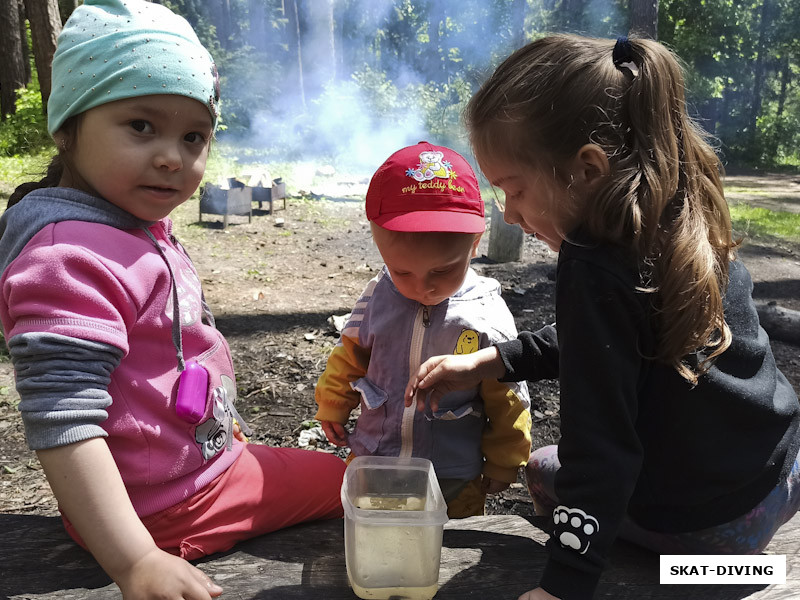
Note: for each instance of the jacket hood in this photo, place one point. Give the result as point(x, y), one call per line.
point(45, 206)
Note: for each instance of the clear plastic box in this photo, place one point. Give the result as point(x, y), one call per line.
point(394, 513)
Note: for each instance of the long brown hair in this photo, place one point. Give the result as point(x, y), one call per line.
point(663, 198)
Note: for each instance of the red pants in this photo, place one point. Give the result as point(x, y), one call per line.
point(266, 489)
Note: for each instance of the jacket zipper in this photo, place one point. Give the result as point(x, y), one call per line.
point(421, 323)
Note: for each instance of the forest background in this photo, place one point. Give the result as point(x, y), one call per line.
point(348, 81)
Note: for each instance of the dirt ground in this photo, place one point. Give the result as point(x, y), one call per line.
point(276, 283)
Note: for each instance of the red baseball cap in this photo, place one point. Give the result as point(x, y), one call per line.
point(426, 188)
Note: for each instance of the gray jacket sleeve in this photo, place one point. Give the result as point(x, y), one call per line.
point(63, 387)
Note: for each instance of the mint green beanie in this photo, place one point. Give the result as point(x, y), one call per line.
point(115, 49)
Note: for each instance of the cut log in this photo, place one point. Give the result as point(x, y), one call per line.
point(505, 241)
point(780, 323)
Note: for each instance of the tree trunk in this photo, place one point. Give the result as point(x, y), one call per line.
point(777, 138)
point(258, 26)
point(709, 114)
point(220, 11)
point(786, 77)
point(65, 7)
point(350, 55)
point(23, 35)
point(295, 51)
point(725, 110)
point(226, 24)
point(318, 45)
point(758, 71)
point(644, 18)
point(571, 15)
point(329, 33)
point(339, 60)
point(435, 55)
point(518, 12)
point(505, 241)
point(45, 23)
point(12, 67)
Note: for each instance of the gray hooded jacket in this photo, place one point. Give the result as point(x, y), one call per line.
point(55, 370)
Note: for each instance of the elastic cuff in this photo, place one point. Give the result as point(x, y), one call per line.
point(507, 350)
point(333, 414)
point(498, 473)
point(39, 438)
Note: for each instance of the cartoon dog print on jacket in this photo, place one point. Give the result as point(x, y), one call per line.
point(468, 342)
point(574, 528)
point(431, 165)
point(216, 433)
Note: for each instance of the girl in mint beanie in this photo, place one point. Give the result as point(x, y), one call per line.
point(127, 389)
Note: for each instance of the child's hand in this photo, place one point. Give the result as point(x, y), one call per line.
point(335, 432)
point(492, 486)
point(161, 575)
point(440, 375)
point(537, 594)
point(86, 481)
point(238, 433)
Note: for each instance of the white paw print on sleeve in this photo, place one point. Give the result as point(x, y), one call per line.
point(574, 528)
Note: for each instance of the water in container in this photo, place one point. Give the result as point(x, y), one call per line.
point(394, 517)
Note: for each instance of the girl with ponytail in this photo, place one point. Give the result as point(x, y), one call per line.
point(678, 432)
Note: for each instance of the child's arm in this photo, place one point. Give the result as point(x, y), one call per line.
point(532, 356)
point(90, 492)
point(440, 375)
point(348, 362)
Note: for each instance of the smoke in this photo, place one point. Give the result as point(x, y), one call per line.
point(322, 113)
point(340, 125)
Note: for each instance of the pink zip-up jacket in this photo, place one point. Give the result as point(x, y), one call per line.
point(78, 287)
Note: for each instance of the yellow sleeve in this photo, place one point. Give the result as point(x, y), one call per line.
point(506, 442)
point(335, 398)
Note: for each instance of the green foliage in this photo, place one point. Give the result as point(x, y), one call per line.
point(761, 222)
point(368, 111)
point(442, 106)
point(377, 90)
point(777, 140)
point(247, 80)
point(402, 64)
point(736, 55)
point(25, 131)
point(197, 15)
point(22, 168)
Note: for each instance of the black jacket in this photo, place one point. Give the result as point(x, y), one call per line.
point(636, 438)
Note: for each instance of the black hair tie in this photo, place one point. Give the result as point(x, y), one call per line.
point(623, 56)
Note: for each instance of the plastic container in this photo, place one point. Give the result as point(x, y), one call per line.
point(394, 514)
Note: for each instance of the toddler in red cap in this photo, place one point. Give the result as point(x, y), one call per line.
point(427, 218)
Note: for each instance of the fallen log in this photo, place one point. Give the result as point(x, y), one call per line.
point(780, 323)
point(499, 556)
